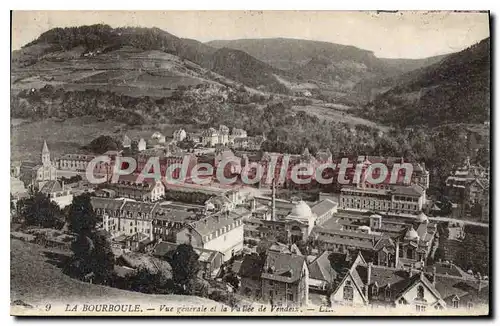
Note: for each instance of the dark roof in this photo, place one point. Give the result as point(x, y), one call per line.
point(204, 255)
point(411, 190)
point(106, 203)
point(449, 269)
point(215, 222)
point(283, 267)
point(130, 181)
point(134, 206)
point(251, 267)
point(321, 268)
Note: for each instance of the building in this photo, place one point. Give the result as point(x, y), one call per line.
point(210, 260)
point(283, 220)
point(386, 240)
point(179, 135)
point(166, 159)
point(321, 273)
point(467, 187)
point(57, 193)
point(212, 137)
point(276, 278)
point(74, 162)
point(141, 145)
point(359, 283)
point(37, 174)
point(324, 210)
point(124, 217)
point(17, 189)
point(238, 137)
point(127, 142)
point(399, 199)
point(128, 186)
point(222, 231)
point(158, 136)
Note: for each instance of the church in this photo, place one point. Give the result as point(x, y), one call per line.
point(36, 174)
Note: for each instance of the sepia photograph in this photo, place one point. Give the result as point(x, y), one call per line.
point(250, 163)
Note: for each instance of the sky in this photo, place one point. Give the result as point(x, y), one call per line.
point(405, 34)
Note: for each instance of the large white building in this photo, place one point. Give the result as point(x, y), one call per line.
point(74, 162)
point(222, 231)
point(212, 137)
point(149, 189)
point(383, 198)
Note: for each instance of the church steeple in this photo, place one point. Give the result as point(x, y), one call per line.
point(45, 154)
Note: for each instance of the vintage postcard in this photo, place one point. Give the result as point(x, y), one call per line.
point(277, 163)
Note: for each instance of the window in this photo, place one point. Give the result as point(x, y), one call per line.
point(420, 308)
point(290, 297)
point(348, 291)
point(420, 293)
point(470, 305)
point(455, 303)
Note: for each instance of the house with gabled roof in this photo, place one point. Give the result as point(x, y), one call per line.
point(416, 290)
point(275, 277)
point(321, 272)
point(221, 231)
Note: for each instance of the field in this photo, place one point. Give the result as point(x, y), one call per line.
point(151, 73)
point(36, 280)
point(337, 114)
point(68, 136)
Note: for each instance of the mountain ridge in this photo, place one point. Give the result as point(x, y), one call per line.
point(453, 90)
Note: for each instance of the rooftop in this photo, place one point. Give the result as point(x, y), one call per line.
point(283, 267)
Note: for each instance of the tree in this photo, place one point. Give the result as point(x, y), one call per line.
point(143, 280)
point(102, 144)
point(81, 216)
point(185, 267)
point(92, 254)
point(39, 210)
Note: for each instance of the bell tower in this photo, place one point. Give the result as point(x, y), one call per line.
point(45, 155)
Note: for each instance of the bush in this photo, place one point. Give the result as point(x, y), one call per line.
point(224, 297)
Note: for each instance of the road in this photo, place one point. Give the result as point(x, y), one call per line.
point(454, 220)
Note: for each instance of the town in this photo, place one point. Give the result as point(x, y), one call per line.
point(365, 245)
point(229, 163)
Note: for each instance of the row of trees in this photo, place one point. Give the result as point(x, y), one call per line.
point(287, 131)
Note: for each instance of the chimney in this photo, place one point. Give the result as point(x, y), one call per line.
point(411, 270)
point(396, 259)
point(434, 275)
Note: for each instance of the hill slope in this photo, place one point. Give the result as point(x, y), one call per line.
point(335, 67)
point(36, 280)
point(127, 54)
point(454, 90)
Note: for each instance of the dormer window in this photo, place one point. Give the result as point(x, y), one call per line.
point(455, 302)
point(375, 290)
